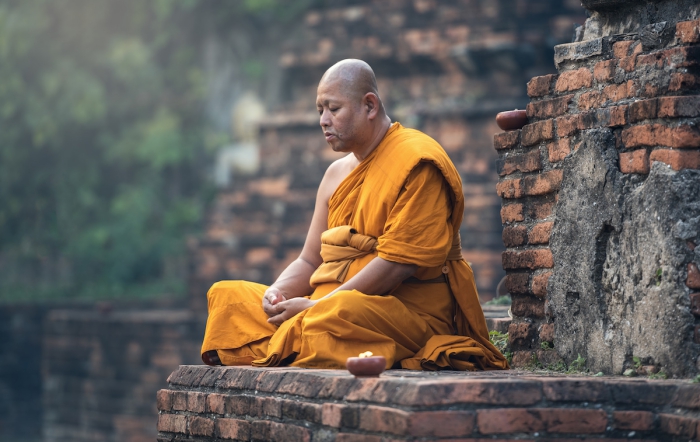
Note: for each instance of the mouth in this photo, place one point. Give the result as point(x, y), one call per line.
point(329, 136)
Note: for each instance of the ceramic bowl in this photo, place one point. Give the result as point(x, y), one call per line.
point(371, 366)
point(511, 120)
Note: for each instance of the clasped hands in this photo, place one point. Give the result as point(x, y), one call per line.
point(279, 309)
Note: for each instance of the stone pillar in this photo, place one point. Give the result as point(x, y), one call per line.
point(600, 198)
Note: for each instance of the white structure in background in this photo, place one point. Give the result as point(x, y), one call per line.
point(241, 157)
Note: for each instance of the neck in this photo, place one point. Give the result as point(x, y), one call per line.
point(378, 135)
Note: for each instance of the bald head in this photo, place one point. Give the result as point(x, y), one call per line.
point(354, 78)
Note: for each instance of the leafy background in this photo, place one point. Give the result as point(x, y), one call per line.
point(107, 137)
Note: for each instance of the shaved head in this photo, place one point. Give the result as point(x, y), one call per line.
point(351, 114)
point(354, 78)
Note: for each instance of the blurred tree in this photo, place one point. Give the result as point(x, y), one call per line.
point(104, 142)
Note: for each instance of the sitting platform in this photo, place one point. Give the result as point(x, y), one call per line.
point(290, 404)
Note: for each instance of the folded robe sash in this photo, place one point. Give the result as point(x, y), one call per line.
point(340, 246)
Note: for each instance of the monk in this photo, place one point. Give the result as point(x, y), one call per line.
point(381, 269)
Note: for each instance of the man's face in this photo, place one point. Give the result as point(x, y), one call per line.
point(342, 117)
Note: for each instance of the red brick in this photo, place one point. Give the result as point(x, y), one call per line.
point(633, 420)
point(674, 107)
point(540, 210)
point(517, 283)
point(441, 423)
point(527, 307)
point(652, 135)
point(526, 162)
point(643, 110)
point(628, 64)
point(650, 91)
point(572, 420)
point(536, 132)
point(281, 432)
point(633, 89)
point(354, 437)
point(615, 92)
point(201, 426)
point(618, 116)
point(506, 140)
point(511, 213)
point(688, 31)
point(179, 400)
point(528, 259)
point(558, 150)
point(539, 284)
point(521, 334)
point(384, 419)
point(590, 100)
point(550, 108)
point(604, 71)
point(232, 429)
point(196, 402)
point(172, 423)
point(534, 185)
point(547, 333)
point(575, 389)
point(693, 279)
point(301, 411)
point(677, 159)
point(687, 396)
point(216, 403)
point(514, 236)
point(636, 161)
point(574, 80)
point(681, 81)
point(678, 425)
point(239, 405)
point(695, 307)
point(266, 406)
point(164, 400)
point(339, 415)
point(521, 359)
point(622, 49)
point(540, 86)
point(509, 420)
point(539, 234)
point(569, 124)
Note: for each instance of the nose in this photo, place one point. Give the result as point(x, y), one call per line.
point(325, 119)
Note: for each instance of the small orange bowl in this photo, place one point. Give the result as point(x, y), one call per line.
point(371, 366)
point(511, 120)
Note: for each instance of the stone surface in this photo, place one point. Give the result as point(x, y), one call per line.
point(412, 405)
point(614, 292)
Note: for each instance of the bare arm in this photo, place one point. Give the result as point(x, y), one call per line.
point(293, 282)
point(378, 277)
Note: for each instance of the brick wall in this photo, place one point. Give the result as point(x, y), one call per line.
point(442, 67)
point(592, 190)
point(101, 371)
point(249, 404)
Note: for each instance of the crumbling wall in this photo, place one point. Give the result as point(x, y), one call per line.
point(615, 142)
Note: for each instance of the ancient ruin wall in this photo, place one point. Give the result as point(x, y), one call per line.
point(601, 198)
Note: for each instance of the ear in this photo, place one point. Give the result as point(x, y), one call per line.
point(371, 105)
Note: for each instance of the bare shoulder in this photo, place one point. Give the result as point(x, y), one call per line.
point(335, 174)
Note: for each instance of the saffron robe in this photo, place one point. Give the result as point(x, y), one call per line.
point(403, 203)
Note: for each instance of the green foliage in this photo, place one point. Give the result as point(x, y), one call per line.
point(658, 275)
point(546, 346)
point(696, 379)
point(660, 375)
point(637, 362)
point(578, 365)
point(104, 143)
point(501, 300)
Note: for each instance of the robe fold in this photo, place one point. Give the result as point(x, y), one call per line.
point(403, 203)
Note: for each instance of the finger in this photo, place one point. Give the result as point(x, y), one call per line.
point(278, 319)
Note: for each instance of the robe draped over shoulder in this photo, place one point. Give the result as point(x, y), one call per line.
point(403, 203)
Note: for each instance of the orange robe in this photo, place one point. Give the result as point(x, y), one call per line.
point(403, 203)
